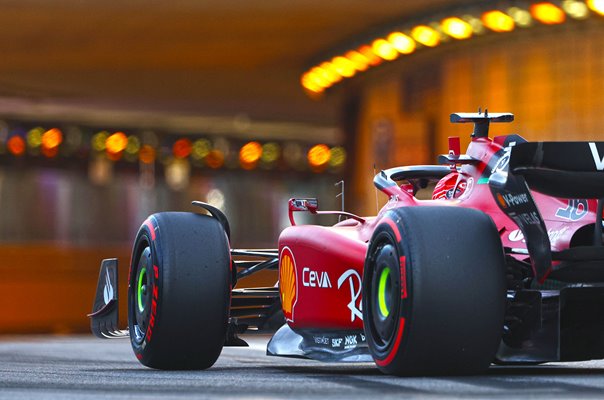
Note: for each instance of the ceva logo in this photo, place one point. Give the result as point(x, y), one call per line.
point(287, 283)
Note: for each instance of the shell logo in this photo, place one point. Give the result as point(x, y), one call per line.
point(287, 283)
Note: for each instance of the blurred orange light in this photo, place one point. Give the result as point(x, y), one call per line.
point(146, 154)
point(402, 43)
point(310, 83)
point(368, 53)
point(457, 28)
point(547, 13)
point(52, 138)
point(318, 155)
point(182, 148)
point(116, 143)
point(215, 159)
point(359, 61)
point(596, 6)
point(50, 152)
point(249, 155)
point(329, 73)
point(497, 21)
point(425, 35)
point(343, 66)
point(384, 49)
point(16, 145)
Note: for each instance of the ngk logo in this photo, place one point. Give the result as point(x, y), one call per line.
point(315, 279)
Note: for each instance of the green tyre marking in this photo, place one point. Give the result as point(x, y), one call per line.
point(382, 292)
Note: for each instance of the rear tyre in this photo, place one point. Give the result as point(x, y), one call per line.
point(179, 291)
point(434, 292)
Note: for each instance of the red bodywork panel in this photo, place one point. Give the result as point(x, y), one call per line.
point(325, 273)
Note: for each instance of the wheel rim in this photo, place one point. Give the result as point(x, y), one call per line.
point(384, 296)
point(139, 300)
point(384, 289)
point(141, 290)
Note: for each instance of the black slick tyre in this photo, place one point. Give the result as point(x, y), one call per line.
point(179, 291)
point(434, 291)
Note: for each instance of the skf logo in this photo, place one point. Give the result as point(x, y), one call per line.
point(287, 283)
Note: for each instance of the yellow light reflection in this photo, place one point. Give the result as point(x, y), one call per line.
point(384, 49)
point(201, 148)
point(402, 43)
point(497, 21)
point(368, 53)
point(343, 66)
point(456, 28)
point(425, 35)
point(329, 73)
point(360, 62)
point(134, 145)
point(547, 13)
point(596, 6)
point(576, 9)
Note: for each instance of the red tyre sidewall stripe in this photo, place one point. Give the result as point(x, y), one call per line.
point(149, 225)
point(397, 233)
point(393, 352)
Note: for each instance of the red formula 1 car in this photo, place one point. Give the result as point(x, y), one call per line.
point(505, 265)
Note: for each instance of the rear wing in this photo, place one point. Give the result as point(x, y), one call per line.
point(559, 169)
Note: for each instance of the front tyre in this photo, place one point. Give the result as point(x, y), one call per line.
point(434, 291)
point(179, 291)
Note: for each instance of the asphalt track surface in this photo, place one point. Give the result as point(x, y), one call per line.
point(81, 367)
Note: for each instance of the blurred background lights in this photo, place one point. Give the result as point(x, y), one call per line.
point(146, 154)
point(270, 152)
point(34, 137)
point(215, 159)
point(16, 145)
point(215, 197)
point(575, 9)
point(425, 35)
point(498, 21)
point(249, 154)
point(116, 143)
point(344, 66)
point(384, 49)
point(182, 148)
point(201, 148)
point(369, 55)
point(596, 6)
point(401, 42)
point(521, 17)
point(177, 174)
point(547, 13)
point(292, 154)
point(99, 140)
point(318, 155)
point(134, 145)
point(456, 28)
point(338, 156)
point(52, 138)
point(359, 61)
